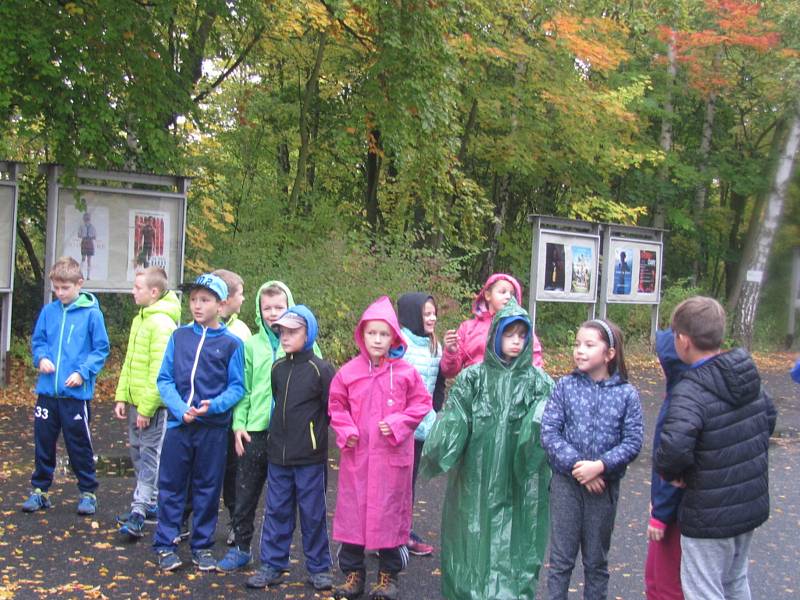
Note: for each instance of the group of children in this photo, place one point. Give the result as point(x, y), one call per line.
point(211, 407)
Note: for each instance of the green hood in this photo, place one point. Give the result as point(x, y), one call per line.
point(262, 328)
point(511, 312)
point(168, 305)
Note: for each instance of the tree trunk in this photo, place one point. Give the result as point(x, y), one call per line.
point(309, 99)
point(373, 172)
point(738, 203)
point(502, 184)
point(36, 267)
point(755, 259)
point(701, 190)
point(659, 210)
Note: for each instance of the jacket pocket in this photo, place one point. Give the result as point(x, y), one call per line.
point(401, 460)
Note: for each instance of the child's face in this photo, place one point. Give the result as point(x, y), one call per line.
point(512, 342)
point(272, 307)
point(142, 295)
point(234, 303)
point(591, 354)
point(378, 338)
point(66, 291)
point(429, 317)
point(683, 347)
point(205, 307)
point(498, 295)
point(293, 340)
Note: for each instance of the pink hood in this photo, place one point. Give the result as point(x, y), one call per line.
point(381, 310)
point(479, 305)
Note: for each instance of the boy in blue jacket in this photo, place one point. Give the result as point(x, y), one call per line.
point(201, 380)
point(70, 346)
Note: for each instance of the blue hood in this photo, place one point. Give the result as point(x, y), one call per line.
point(501, 327)
point(673, 367)
point(312, 329)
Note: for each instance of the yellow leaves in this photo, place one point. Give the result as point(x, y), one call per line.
point(596, 208)
point(73, 9)
point(597, 43)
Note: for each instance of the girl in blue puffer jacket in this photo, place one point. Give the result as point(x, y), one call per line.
point(416, 312)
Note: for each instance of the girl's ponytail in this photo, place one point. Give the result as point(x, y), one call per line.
point(611, 334)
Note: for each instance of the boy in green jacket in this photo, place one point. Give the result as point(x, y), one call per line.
point(251, 419)
point(158, 316)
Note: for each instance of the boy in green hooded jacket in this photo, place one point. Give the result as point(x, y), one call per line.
point(487, 438)
point(251, 419)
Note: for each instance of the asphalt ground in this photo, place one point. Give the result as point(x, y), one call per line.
point(56, 553)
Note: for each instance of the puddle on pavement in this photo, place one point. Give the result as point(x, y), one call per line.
point(105, 466)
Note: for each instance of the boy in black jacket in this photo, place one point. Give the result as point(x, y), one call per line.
point(714, 442)
point(297, 451)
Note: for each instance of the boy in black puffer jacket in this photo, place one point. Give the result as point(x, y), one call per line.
point(714, 442)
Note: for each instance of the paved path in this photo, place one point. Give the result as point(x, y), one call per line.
point(57, 554)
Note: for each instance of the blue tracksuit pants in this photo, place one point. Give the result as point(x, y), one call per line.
point(52, 416)
point(289, 489)
point(191, 453)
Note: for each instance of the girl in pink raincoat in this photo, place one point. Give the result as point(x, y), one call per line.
point(465, 347)
point(375, 403)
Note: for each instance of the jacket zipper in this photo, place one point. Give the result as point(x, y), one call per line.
point(313, 437)
point(69, 335)
point(60, 341)
point(194, 366)
point(285, 398)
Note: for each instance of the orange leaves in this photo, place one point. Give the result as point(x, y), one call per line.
point(595, 42)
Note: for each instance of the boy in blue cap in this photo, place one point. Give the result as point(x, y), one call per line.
point(201, 380)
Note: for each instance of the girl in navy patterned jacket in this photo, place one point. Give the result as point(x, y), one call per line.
point(592, 428)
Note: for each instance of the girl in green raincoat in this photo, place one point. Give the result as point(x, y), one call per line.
point(495, 514)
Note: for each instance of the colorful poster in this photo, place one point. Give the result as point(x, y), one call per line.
point(148, 242)
point(86, 239)
point(647, 271)
point(554, 267)
point(582, 265)
point(623, 270)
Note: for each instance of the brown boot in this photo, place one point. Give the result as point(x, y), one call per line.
point(387, 587)
point(353, 586)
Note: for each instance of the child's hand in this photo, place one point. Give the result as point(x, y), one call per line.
point(240, 436)
point(654, 534)
point(352, 441)
point(596, 485)
point(46, 366)
point(188, 416)
point(119, 410)
point(385, 429)
point(586, 470)
point(451, 341)
point(74, 380)
point(199, 411)
point(142, 422)
point(678, 483)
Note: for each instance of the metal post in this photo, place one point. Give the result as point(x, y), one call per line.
point(53, 172)
point(534, 279)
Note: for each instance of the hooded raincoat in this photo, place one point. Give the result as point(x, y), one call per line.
point(495, 513)
point(472, 334)
point(373, 503)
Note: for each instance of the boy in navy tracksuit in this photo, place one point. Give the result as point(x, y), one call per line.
point(297, 450)
point(70, 346)
point(201, 379)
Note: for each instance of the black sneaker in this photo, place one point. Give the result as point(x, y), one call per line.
point(204, 559)
point(134, 526)
point(168, 561)
point(265, 576)
point(184, 534)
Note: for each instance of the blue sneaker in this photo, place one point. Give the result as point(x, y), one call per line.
point(151, 514)
point(204, 559)
point(168, 560)
point(264, 577)
point(38, 500)
point(123, 517)
point(234, 560)
point(87, 503)
point(134, 526)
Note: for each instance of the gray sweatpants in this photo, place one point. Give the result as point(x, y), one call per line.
point(145, 455)
point(715, 569)
point(580, 520)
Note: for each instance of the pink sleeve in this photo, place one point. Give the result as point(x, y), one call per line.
point(657, 524)
point(538, 357)
point(418, 404)
point(339, 412)
point(452, 362)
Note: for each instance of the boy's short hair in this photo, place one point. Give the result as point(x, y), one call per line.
point(66, 269)
point(702, 319)
point(233, 280)
point(154, 277)
point(274, 290)
point(520, 327)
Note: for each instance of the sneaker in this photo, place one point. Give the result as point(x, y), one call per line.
point(419, 548)
point(321, 581)
point(123, 517)
point(204, 559)
point(353, 586)
point(386, 588)
point(87, 503)
point(265, 576)
point(231, 539)
point(168, 561)
point(151, 514)
point(134, 526)
point(38, 500)
point(184, 534)
point(234, 560)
